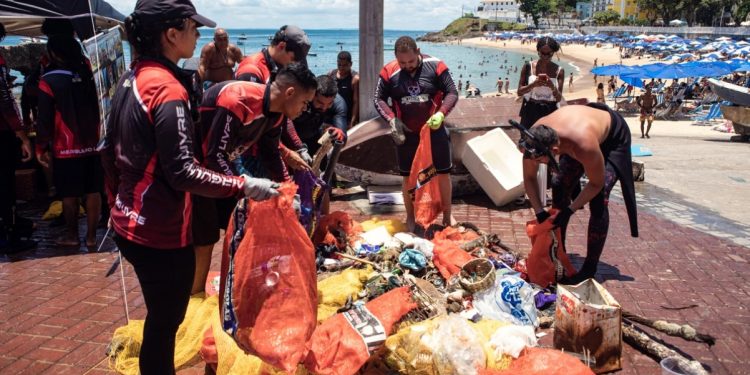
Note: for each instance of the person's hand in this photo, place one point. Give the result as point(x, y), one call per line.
point(397, 131)
point(541, 216)
point(296, 162)
point(26, 149)
point(44, 159)
point(562, 217)
point(305, 156)
point(297, 205)
point(259, 189)
point(436, 120)
point(336, 133)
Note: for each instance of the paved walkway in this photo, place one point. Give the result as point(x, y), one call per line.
point(58, 310)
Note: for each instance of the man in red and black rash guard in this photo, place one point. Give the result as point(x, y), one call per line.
point(422, 92)
point(289, 44)
point(11, 127)
point(149, 161)
point(235, 116)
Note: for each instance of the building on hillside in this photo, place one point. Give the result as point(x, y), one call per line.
point(502, 10)
point(583, 10)
point(625, 8)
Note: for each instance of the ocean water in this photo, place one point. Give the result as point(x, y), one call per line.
point(481, 66)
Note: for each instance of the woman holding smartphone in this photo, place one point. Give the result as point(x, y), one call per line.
point(541, 83)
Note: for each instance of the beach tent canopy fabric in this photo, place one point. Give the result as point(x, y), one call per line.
point(670, 71)
point(25, 17)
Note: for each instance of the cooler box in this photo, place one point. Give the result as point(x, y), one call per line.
point(495, 162)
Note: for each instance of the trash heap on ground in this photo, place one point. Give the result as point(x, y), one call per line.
point(338, 297)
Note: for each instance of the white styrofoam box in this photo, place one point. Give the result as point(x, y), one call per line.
point(385, 194)
point(495, 162)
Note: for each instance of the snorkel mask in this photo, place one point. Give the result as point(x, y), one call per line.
point(533, 148)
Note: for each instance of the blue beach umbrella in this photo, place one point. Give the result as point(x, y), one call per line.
point(612, 70)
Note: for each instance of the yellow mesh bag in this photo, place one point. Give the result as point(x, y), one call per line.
point(334, 291)
point(393, 226)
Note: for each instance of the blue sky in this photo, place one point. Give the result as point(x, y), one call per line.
point(325, 14)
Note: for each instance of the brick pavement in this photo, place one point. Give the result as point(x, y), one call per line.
point(58, 310)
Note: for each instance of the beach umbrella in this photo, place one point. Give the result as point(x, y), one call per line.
point(724, 38)
point(739, 65)
point(642, 36)
point(612, 70)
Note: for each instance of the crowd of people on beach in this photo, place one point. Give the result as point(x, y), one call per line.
point(181, 148)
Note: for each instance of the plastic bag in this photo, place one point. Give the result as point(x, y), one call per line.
point(424, 189)
point(311, 191)
point(344, 342)
point(511, 299)
point(538, 361)
point(269, 294)
point(422, 245)
point(512, 339)
point(412, 259)
point(547, 263)
point(457, 348)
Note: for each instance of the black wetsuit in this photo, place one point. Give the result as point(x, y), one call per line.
point(617, 165)
point(346, 90)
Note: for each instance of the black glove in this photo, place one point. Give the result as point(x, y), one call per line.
point(541, 216)
point(563, 216)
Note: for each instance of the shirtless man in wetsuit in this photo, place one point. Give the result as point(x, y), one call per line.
point(218, 59)
point(589, 139)
point(647, 102)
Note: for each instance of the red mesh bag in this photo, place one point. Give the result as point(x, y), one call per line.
point(268, 297)
point(424, 189)
point(336, 228)
point(539, 361)
point(447, 256)
point(344, 342)
point(547, 263)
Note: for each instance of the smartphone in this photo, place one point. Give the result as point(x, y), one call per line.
point(543, 77)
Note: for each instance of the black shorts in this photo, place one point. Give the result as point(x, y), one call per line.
point(442, 151)
point(209, 216)
point(76, 177)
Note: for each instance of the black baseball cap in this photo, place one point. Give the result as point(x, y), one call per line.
point(296, 41)
point(158, 10)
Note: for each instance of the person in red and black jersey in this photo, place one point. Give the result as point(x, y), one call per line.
point(422, 92)
point(68, 132)
point(12, 130)
point(151, 171)
point(289, 44)
point(235, 116)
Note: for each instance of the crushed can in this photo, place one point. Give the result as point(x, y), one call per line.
point(588, 321)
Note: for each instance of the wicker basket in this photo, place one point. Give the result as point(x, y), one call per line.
point(484, 271)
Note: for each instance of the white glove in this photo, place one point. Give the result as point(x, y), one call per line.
point(259, 189)
point(305, 156)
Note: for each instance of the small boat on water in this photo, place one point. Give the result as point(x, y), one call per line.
point(312, 54)
point(241, 39)
point(740, 118)
point(730, 92)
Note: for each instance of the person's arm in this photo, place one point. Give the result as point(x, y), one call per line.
point(448, 88)
point(590, 156)
point(560, 83)
point(45, 122)
point(531, 184)
point(173, 129)
point(290, 138)
point(269, 146)
point(639, 101)
point(523, 83)
point(355, 101)
point(236, 54)
point(382, 92)
point(202, 66)
point(337, 114)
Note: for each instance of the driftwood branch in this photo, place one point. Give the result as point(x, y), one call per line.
point(684, 331)
point(647, 345)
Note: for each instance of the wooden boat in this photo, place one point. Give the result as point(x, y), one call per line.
point(730, 92)
point(369, 156)
point(740, 118)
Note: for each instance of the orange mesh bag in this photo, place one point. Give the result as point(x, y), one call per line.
point(344, 342)
point(334, 223)
point(424, 189)
point(539, 361)
point(268, 296)
point(447, 256)
point(548, 262)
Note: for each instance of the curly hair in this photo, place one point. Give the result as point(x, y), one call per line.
point(548, 41)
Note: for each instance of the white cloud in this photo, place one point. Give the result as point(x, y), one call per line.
point(325, 14)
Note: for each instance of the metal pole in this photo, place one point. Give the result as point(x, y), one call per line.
point(370, 54)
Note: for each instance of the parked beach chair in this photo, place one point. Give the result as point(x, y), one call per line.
point(714, 112)
point(659, 99)
point(618, 93)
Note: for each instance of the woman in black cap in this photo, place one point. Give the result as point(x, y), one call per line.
point(151, 170)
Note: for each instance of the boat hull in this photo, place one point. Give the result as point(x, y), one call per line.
point(740, 118)
point(732, 93)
